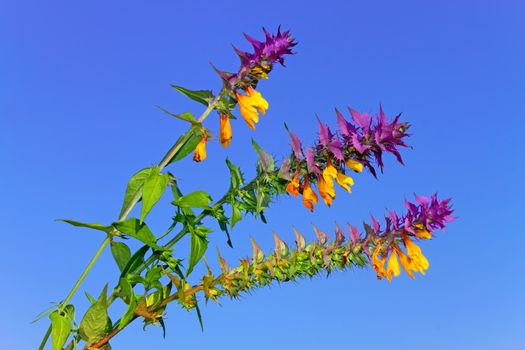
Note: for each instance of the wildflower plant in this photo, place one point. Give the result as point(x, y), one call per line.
point(153, 277)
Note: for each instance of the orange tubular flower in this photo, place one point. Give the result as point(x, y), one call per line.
point(293, 187)
point(378, 264)
point(309, 196)
point(200, 151)
point(418, 262)
point(354, 165)
point(225, 136)
point(405, 261)
point(251, 105)
point(326, 189)
point(422, 232)
point(325, 183)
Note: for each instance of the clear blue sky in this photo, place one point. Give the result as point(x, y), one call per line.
point(78, 89)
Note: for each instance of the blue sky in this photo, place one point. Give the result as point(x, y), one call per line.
point(78, 89)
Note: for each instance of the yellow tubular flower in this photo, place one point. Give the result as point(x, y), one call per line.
point(344, 181)
point(326, 189)
point(354, 165)
point(251, 105)
point(378, 264)
point(393, 266)
point(418, 261)
point(405, 261)
point(309, 196)
point(200, 151)
point(330, 172)
point(422, 232)
point(293, 187)
point(225, 136)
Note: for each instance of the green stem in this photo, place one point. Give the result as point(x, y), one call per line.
point(77, 285)
point(44, 341)
point(163, 163)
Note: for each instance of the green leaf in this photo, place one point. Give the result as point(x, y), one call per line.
point(198, 310)
point(60, 329)
point(90, 298)
point(154, 187)
point(153, 275)
point(95, 321)
point(134, 187)
point(236, 178)
point(136, 260)
point(266, 163)
point(186, 116)
point(189, 142)
point(132, 227)
point(197, 199)
point(98, 227)
point(201, 96)
point(129, 314)
point(236, 215)
point(121, 253)
point(126, 290)
point(198, 246)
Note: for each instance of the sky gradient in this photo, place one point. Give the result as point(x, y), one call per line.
point(78, 89)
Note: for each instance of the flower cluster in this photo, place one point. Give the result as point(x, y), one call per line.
point(254, 66)
point(239, 88)
point(289, 264)
point(422, 219)
point(257, 65)
point(354, 146)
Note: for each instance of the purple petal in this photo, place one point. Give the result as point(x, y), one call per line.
point(325, 136)
point(424, 201)
point(322, 237)
point(335, 148)
point(375, 224)
point(355, 236)
point(284, 170)
point(296, 146)
point(310, 162)
point(362, 119)
point(358, 146)
point(342, 124)
point(339, 236)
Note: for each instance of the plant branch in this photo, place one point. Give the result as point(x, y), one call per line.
point(162, 164)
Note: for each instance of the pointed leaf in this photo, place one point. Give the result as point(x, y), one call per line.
point(266, 162)
point(188, 142)
point(94, 323)
point(134, 187)
point(135, 261)
point(98, 227)
point(126, 290)
point(60, 329)
point(199, 316)
point(121, 253)
point(236, 215)
point(186, 116)
point(129, 314)
point(198, 245)
point(197, 199)
point(154, 187)
point(236, 178)
point(132, 227)
point(90, 298)
point(201, 96)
